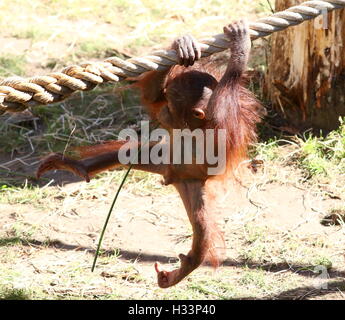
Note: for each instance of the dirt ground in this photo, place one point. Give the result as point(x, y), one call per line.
point(275, 241)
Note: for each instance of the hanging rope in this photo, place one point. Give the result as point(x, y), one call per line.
point(17, 94)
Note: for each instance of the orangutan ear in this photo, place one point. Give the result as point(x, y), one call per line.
point(198, 113)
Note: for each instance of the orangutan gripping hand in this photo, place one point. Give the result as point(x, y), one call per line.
point(187, 49)
point(240, 43)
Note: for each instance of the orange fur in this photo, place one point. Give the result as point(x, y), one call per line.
point(235, 109)
point(102, 148)
point(172, 97)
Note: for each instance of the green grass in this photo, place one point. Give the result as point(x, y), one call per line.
point(320, 159)
point(12, 65)
point(32, 32)
point(12, 137)
point(254, 278)
point(25, 194)
point(91, 48)
point(8, 293)
point(325, 154)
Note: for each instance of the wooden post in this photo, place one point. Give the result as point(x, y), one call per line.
point(306, 73)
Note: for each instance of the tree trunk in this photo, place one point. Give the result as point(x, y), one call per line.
point(306, 74)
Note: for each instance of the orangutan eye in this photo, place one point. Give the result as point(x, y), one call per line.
point(198, 113)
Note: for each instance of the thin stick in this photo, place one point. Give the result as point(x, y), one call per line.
point(113, 204)
point(271, 7)
point(108, 217)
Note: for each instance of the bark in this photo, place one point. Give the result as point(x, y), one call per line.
point(306, 73)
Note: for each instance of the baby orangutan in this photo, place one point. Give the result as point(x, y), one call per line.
point(187, 96)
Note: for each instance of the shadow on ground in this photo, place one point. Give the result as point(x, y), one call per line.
point(300, 269)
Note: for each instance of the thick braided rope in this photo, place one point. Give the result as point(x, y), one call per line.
point(17, 94)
